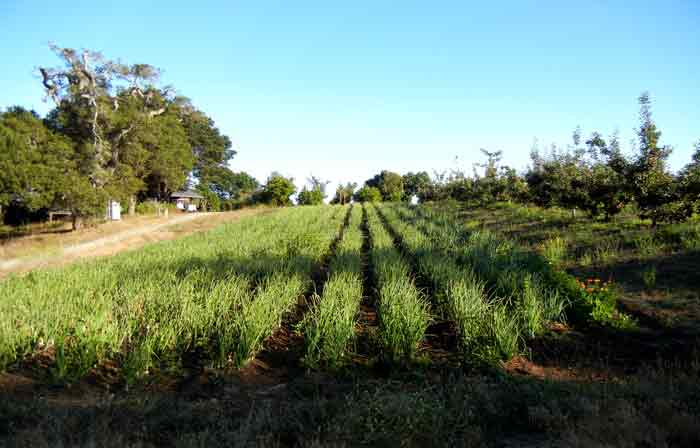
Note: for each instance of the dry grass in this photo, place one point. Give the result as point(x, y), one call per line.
point(42, 249)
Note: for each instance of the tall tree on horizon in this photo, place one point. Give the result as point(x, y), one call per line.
point(652, 184)
point(100, 105)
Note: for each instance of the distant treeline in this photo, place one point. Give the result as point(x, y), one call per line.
point(116, 134)
point(592, 174)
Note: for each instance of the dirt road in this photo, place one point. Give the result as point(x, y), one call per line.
point(129, 239)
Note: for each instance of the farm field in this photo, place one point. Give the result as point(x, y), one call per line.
point(365, 324)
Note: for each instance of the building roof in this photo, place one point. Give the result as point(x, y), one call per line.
point(186, 194)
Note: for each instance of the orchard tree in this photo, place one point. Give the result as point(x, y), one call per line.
point(652, 185)
point(344, 193)
point(228, 185)
point(557, 179)
point(310, 196)
point(415, 184)
point(389, 184)
point(315, 194)
point(368, 194)
point(606, 178)
point(690, 183)
point(514, 186)
point(277, 190)
point(489, 188)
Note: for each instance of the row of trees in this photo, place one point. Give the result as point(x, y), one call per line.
point(114, 133)
point(593, 175)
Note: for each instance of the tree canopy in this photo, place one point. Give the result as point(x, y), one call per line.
point(315, 194)
point(114, 133)
point(277, 190)
point(36, 163)
point(389, 184)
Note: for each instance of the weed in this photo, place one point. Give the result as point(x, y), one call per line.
point(585, 260)
point(503, 326)
point(647, 246)
point(554, 250)
point(649, 277)
point(607, 249)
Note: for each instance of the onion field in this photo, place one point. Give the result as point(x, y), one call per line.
point(356, 325)
point(215, 297)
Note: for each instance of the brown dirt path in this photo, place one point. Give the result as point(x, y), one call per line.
point(126, 238)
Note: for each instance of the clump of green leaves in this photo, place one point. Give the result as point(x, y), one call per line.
point(554, 250)
point(330, 326)
point(649, 277)
point(402, 309)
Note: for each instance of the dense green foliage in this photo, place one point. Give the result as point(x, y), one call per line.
point(37, 164)
point(368, 194)
point(344, 193)
point(114, 134)
point(277, 190)
point(389, 184)
point(592, 175)
point(313, 195)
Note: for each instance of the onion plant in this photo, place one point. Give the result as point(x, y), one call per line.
point(329, 328)
point(403, 311)
point(216, 293)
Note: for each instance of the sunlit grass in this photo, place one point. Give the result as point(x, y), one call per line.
point(330, 326)
point(403, 310)
point(219, 292)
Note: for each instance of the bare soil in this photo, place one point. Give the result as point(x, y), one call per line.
point(281, 356)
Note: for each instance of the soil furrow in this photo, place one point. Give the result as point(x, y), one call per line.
point(280, 356)
point(440, 341)
point(368, 323)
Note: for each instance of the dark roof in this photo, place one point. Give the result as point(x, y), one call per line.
point(186, 194)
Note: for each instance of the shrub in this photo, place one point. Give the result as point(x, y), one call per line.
point(368, 194)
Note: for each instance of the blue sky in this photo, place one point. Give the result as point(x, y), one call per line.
point(343, 90)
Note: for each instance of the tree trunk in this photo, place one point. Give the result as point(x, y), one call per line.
point(77, 222)
point(132, 205)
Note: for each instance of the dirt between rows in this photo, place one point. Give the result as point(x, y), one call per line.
point(281, 356)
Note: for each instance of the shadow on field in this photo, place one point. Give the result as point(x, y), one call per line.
point(671, 271)
point(606, 352)
point(488, 408)
point(661, 292)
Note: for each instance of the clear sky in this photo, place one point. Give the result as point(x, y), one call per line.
point(345, 89)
